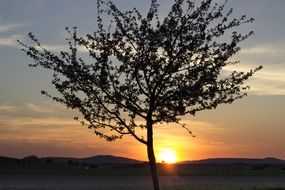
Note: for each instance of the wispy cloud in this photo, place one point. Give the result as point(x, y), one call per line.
point(39, 122)
point(269, 81)
point(10, 41)
point(58, 48)
point(270, 54)
point(266, 49)
point(29, 106)
point(8, 108)
point(39, 108)
point(35, 110)
point(9, 27)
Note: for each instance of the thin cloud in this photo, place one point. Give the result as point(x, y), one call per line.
point(268, 81)
point(39, 122)
point(44, 109)
point(272, 73)
point(268, 49)
point(58, 48)
point(39, 108)
point(11, 41)
point(261, 86)
point(9, 27)
point(8, 108)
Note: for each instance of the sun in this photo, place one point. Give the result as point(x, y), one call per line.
point(167, 155)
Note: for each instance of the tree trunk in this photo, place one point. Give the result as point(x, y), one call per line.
point(151, 158)
point(152, 164)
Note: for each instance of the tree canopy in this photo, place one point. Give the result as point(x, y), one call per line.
point(147, 68)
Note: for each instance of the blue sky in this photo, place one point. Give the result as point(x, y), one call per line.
point(32, 124)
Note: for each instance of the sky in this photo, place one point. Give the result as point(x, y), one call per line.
point(31, 124)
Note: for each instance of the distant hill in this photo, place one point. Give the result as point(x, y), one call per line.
point(99, 159)
point(109, 159)
point(236, 161)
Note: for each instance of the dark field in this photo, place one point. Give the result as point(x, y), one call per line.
point(142, 169)
point(74, 176)
point(54, 182)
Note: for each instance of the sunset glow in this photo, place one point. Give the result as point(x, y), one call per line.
point(32, 124)
point(167, 155)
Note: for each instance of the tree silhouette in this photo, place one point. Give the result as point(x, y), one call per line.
point(147, 70)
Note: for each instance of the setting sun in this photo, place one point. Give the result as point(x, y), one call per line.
point(167, 155)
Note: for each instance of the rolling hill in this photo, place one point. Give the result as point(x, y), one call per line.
point(109, 159)
point(268, 160)
point(99, 159)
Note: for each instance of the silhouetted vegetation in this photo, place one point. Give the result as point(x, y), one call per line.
point(101, 165)
point(147, 68)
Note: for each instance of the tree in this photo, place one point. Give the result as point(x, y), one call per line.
point(147, 68)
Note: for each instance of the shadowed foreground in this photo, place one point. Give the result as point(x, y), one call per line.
point(47, 182)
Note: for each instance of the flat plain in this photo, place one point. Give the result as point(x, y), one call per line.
point(65, 182)
point(69, 175)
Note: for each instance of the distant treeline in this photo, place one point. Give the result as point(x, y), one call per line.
point(110, 165)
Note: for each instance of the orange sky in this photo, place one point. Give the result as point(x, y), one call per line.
point(238, 130)
point(32, 124)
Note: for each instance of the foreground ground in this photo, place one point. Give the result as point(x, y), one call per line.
point(60, 182)
point(74, 176)
point(142, 169)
